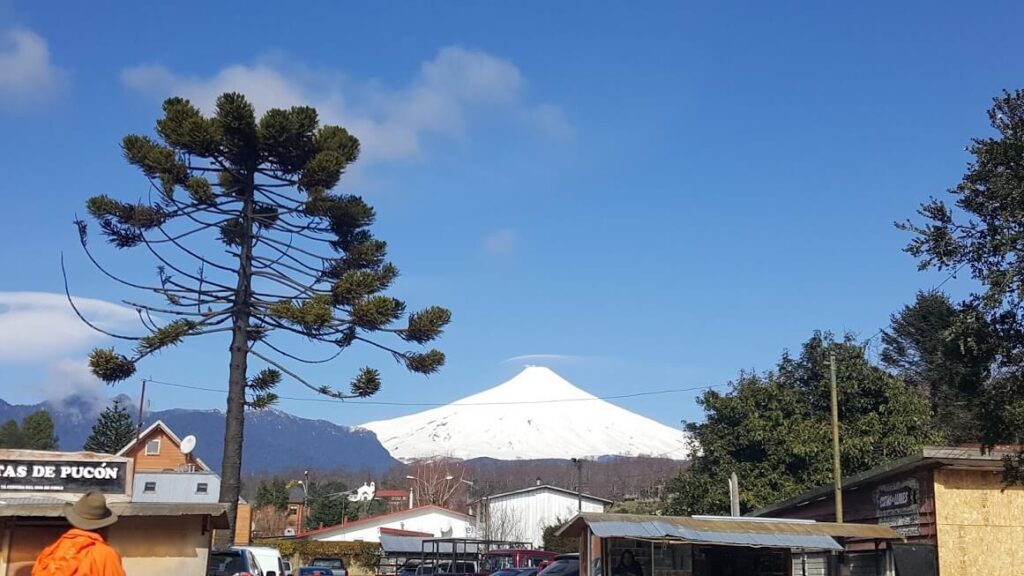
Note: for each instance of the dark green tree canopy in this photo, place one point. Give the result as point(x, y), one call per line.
point(773, 429)
point(249, 238)
point(113, 430)
point(328, 504)
point(36, 432)
point(272, 493)
point(946, 351)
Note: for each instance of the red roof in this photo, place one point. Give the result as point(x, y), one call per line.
point(388, 493)
point(373, 519)
point(397, 532)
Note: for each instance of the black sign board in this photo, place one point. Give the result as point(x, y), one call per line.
point(63, 476)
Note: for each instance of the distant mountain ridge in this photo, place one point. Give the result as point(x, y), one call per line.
point(274, 440)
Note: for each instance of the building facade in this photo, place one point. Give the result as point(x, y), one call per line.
point(951, 505)
point(522, 515)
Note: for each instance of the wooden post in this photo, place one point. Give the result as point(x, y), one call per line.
point(836, 466)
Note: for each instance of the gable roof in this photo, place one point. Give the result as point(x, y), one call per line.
point(548, 487)
point(389, 517)
point(159, 425)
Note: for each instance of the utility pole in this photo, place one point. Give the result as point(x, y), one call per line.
point(579, 484)
point(836, 467)
point(734, 495)
point(142, 402)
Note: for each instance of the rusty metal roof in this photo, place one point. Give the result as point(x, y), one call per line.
point(757, 532)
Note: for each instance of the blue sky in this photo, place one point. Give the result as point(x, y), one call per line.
point(654, 195)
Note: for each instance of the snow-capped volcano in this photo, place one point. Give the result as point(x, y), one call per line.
point(535, 415)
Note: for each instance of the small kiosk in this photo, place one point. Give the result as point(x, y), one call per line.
point(154, 539)
point(636, 545)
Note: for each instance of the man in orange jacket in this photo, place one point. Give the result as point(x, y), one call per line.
point(82, 551)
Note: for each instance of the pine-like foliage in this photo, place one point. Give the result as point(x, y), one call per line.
point(112, 431)
point(981, 235)
point(37, 431)
point(250, 239)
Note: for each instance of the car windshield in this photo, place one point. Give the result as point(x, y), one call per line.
point(335, 563)
point(563, 567)
point(496, 562)
point(226, 564)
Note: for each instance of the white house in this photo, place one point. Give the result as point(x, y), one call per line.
point(522, 515)
point(423, 520)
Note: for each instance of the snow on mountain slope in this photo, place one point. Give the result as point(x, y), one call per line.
point(507, 423)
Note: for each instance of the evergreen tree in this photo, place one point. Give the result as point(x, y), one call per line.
point(773, 429)
point(273, 493)
point(328, 504)
point(37, 431)
point(946, 352)
point(301, 265)
point(981, 234)
point(10, 435)
point(113, 430)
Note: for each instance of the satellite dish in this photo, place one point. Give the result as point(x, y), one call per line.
point(188, 444)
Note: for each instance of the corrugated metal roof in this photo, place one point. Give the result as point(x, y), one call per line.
point(726, 531)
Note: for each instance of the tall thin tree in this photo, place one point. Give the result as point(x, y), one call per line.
point(301, 265)
point(113, 430)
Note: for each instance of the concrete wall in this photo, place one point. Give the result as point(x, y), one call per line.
point(149, 546)
point(524, 516)
point(980, 523)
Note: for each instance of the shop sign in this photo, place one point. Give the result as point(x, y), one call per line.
point(74, 476)
point(898, 506)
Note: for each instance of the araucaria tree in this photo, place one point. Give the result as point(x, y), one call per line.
point(112, 431)
point(983, 234)
point(296, 263)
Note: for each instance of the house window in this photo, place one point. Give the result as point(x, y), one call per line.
point(149, 488)
point(152, 448)
point(201, 488)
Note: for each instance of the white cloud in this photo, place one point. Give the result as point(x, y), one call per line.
point(545, 358)
point(501, 242)
point(441, 99)
point(26, 73)
point(71, 386)
point(41, 325)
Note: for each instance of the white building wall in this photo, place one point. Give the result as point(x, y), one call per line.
point(524, 516)
point(436, 523)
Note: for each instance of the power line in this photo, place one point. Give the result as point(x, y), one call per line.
point(437, 404)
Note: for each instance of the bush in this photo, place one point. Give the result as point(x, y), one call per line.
point(362, 554)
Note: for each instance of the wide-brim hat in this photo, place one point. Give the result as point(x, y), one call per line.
point(90, 512)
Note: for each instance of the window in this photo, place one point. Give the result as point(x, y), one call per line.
point(149, 488)
point(201, 488)
point(152, 448)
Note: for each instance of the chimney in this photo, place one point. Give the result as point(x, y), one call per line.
point(538, 480)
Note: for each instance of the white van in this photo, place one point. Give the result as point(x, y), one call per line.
point(268, 558)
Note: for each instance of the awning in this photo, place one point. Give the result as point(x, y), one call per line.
point(724, 531)
point(48, 508)
point(401, 544)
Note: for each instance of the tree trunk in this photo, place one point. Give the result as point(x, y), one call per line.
point(231, 465)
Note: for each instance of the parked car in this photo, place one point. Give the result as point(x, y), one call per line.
point(515, 558)
point(457, 567)
point(268, 558)
point(336, 564)
point(314, 571)
point(287, 567)
point(515, 572)
point(425, 569)
point(563, 565)
point(409, 568)
point(232, 562)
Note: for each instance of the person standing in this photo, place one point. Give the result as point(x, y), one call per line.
point(82, 550)
point(628, 566)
